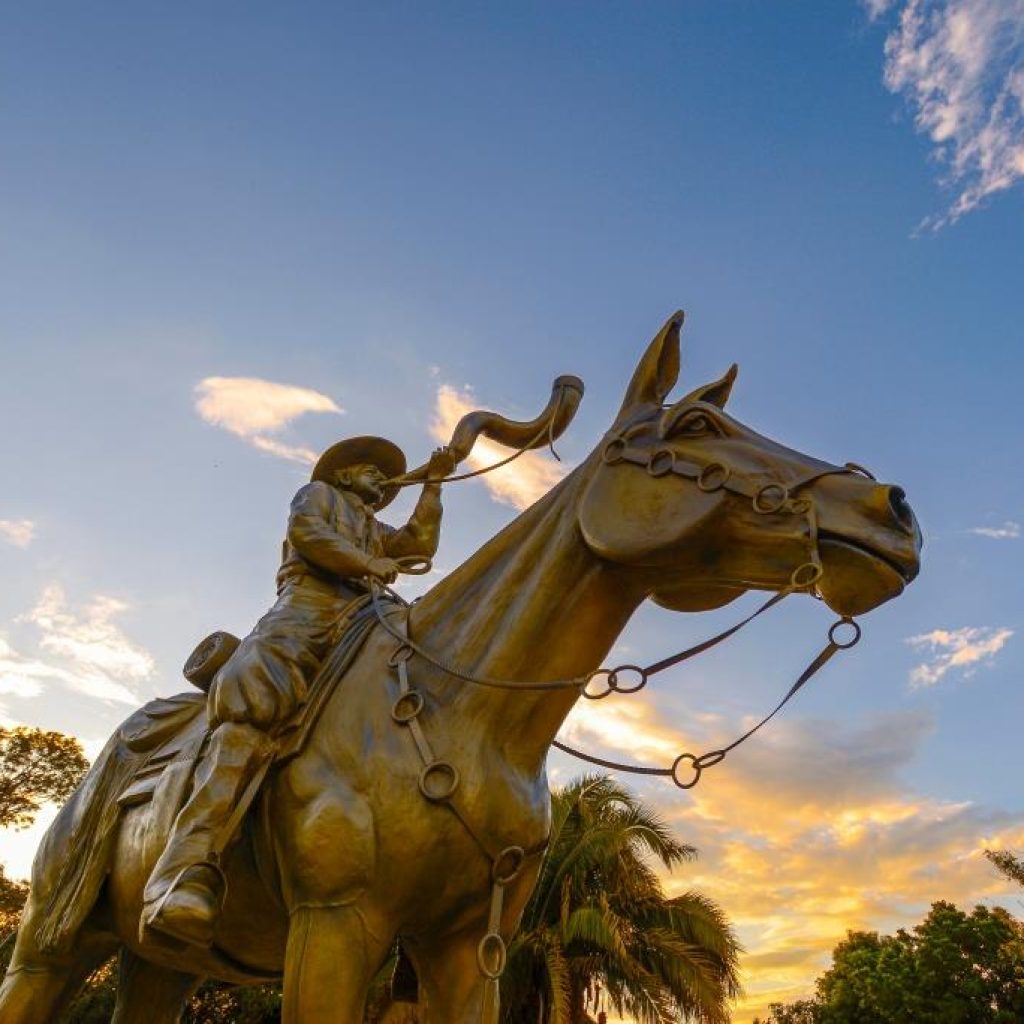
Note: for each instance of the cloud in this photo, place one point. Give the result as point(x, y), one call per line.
point(806, 832)
point(88, 652)
point(876, 8)
point(962, 649)
point(960, 66)
point(19, 677)
point(252, 409)
point(19, 532)
point(1008, 531)
point(520, 483)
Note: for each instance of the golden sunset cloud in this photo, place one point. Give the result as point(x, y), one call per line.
point(807, 832)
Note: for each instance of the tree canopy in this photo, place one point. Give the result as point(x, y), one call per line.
point(36, 766)
point(952, 968)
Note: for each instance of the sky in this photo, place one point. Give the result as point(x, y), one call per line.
point(233, 234)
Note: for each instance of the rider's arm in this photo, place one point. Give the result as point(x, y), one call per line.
point(311, 534)
point(419, 536)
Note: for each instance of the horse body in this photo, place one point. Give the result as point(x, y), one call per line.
point(344, 852)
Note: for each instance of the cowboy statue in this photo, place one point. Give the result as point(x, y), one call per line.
point(334, 547)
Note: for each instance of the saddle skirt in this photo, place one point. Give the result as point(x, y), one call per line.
point(166, 730)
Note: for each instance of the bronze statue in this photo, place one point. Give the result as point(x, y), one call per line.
point(411, 802)
point(334, 545)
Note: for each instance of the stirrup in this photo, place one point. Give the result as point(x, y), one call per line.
point(153, 917)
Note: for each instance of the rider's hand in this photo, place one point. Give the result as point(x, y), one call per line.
point(442, 463)
point(384, 570)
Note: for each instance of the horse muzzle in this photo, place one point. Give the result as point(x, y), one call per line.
point(870, 549)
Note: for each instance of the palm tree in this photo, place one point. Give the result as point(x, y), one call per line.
point(599, 921)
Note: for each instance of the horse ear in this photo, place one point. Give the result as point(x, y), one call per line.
point(715, 394)
point(657, 371)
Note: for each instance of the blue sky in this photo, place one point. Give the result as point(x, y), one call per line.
point(384, 207)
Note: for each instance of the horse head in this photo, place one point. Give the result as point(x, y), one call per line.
point(701, 508)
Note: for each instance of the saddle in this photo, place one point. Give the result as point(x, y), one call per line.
point(171, 731)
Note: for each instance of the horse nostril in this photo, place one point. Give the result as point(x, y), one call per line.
point(901, 507)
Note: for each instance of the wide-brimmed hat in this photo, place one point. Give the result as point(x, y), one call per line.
point(374, 451)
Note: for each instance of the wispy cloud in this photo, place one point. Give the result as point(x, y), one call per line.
point(960, 66)
point(876, 8)
point(1008, 531)
point(807, 832)
point(87, 652)
point(520, 483)
point(255, 410)
point(964, 649)
point(19, 676)
point(19, 532)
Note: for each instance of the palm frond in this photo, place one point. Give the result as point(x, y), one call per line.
point(600, 917)
point(558, 984)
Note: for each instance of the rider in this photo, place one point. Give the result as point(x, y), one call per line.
point(334, 544)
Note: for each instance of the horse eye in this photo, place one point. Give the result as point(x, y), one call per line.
point(694, 426)
point(688, 423)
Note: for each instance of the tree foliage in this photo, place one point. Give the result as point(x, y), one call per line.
point(804, 1011)
point(952, 968)
point(212, 1004)
point(12, 898)
point(36, 766)
point(1008, 863)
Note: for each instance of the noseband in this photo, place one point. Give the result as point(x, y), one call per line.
point(769, 497)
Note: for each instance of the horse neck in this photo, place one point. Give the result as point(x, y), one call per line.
point(533, 604)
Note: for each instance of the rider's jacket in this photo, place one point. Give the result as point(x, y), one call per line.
point(333, 536)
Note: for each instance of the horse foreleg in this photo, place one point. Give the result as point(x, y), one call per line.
point(331, 959)
point(452, 989)
point(148, 994)
point(39, 984)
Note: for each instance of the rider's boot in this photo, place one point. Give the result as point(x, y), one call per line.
point(185, 891)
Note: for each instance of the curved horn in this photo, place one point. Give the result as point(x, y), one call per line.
point(566, 393)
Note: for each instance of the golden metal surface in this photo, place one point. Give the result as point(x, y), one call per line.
point(416, 793)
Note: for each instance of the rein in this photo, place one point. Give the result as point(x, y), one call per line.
point(696, 764)
point(771, 498)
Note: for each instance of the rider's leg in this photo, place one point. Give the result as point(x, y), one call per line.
point(185, 890)
point(255, 693)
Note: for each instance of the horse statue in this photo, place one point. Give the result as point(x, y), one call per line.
point(418, 807)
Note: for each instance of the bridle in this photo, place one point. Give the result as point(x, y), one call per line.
point(771, 497)
point(766, 498)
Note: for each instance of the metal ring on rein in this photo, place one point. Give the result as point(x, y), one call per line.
point(414, 565)
point(612, 684)
point(614, 451)
point(853, 641)
point(708, 760)
point(766, 505)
